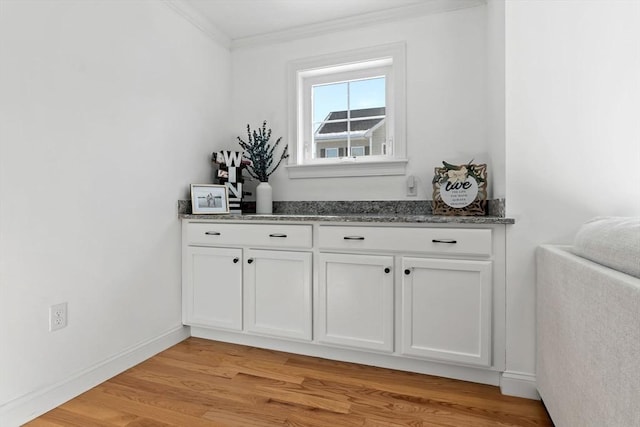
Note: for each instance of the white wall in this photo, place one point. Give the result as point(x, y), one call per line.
point(572, 132)
point(496, 96)
point(446, 98)
point(108, 110)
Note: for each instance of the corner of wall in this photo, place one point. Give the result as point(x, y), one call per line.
point(187, 12)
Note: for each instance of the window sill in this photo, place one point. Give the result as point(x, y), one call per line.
point(348, 169)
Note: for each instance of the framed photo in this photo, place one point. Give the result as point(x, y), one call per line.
point(209, 199)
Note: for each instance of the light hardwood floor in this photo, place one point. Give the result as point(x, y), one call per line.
point(207, 383)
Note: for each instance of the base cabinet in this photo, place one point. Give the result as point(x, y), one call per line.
point(213, 290)
point(446, 310)
point(230, 285)
point(356, 301)
point(424, 298)
point(278, 293)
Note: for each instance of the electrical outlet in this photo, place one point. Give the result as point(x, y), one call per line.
point(57, 316)
point(412, 186)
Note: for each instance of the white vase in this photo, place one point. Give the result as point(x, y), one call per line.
point(264, 198)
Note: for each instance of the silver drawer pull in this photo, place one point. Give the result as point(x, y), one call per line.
point(353, 238)
point(444, 241)
point(277, 235)
point(212, 233)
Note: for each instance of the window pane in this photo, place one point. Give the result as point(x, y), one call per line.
point(331, 152)
point(357, 151)
point(327, 99)
point(330, 102)
point(349, 114)
point(367, 102)
point(368, 93)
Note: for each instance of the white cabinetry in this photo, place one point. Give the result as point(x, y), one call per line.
point(355, 306)
point(239, 277)
point(445, 290)
point(446, 310)
point(212, 291)
point(278, 293)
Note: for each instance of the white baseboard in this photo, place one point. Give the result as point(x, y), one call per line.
point(519, 384)
point(36, 403)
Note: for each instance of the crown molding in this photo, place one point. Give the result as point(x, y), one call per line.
point(194, 17)
point(383, 16)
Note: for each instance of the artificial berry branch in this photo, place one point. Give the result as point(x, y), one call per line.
point(260, 152)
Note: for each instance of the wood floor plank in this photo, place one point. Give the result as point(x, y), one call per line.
point(86, 407)
point(129, 403)
point(69, 418)
point(245, 416)
point(225, 371)
point(174, 402)
point(209, 388)
point(323, 419)
point(398, 383)
point(264, 369)
point(375, 423)
point(293, 397)
point(206, 383)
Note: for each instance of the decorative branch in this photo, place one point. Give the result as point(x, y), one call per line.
point(260, 153)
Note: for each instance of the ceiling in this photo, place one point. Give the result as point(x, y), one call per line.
point(239, 19)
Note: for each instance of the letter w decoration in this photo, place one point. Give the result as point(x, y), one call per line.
point(230, 166)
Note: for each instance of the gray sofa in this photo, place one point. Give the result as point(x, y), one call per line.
point(588, 326)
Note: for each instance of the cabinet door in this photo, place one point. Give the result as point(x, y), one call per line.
point(278, 293)
point(213, 291)
point(355, 306)
point(446, 310)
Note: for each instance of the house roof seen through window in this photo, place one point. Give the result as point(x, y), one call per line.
point(329, 127)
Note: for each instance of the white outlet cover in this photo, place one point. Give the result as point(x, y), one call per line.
point(57, 316)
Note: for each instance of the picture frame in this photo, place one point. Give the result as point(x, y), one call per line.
point(460, 189)
point(209, 199)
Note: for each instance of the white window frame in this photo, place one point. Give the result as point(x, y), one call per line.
point(361, 63)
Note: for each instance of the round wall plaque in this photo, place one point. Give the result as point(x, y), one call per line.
point(459, 194)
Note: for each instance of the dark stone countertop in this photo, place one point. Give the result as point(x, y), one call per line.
point(407, 212)
point(349, 218)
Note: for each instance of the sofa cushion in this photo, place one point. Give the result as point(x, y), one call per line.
point(611, 241)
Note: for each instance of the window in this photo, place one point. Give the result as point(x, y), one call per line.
point(347, 115)
point(359, 151)
point(330, 152)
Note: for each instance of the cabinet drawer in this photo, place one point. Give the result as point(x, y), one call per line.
point(457, 241)
point(261, 235)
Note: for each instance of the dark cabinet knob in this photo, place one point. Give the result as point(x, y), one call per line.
point(407, 272)
point(235, 260)
point(250, 260)
point(387, 270)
